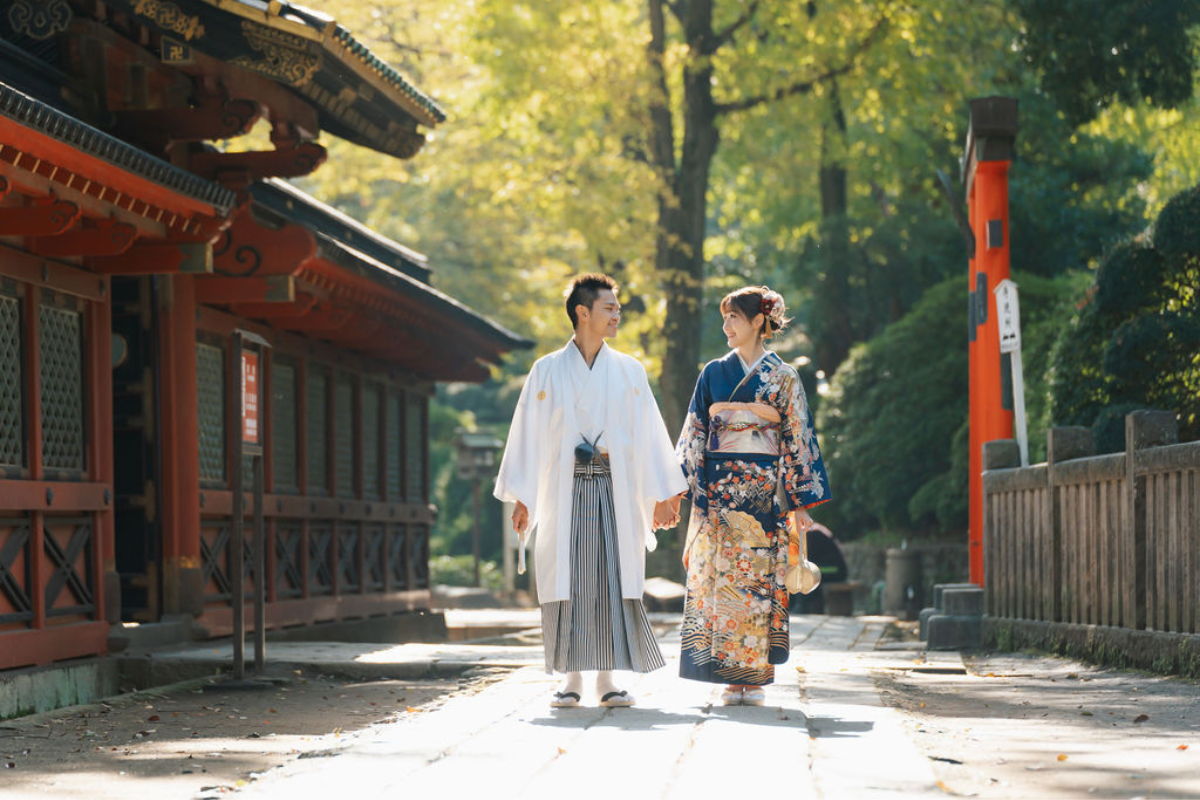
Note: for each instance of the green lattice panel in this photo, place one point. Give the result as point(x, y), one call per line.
point(370, 439)
point(62, 387)
point(345, 452)
point(210, 382)
point(316, 429)
point(414, 445)
point(394, 447)
point(12, 410)
point(283, 426)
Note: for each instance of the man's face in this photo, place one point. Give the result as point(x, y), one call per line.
point(603, 317)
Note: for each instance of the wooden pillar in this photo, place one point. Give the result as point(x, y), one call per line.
point(38, 569)
point(183, 590)
point(100, 466)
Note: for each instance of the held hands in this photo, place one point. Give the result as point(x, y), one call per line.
point(666, 513)
point(520, 518)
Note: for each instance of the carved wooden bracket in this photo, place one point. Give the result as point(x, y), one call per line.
point(159, 128)
point(41, 218)
point(249, 248)
point(240, 170)
point(159, 258)
point(105, 238)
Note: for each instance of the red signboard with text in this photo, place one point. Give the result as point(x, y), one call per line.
point(250, 397)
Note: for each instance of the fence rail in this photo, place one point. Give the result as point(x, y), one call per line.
point(1101, 540)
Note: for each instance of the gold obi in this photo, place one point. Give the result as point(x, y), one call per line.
point(742, 431)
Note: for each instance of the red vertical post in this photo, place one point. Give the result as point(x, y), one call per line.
point(989, 151)
point(180, 515)
point(100, 467)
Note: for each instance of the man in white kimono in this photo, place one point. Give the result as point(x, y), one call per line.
point(593, 472)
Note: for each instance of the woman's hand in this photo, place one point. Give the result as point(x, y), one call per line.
point(801, 520)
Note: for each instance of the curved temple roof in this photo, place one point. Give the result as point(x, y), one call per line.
point(358, 96)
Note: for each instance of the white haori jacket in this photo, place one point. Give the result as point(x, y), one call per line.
point(613, 399)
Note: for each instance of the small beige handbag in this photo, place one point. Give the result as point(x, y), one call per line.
point(805, 576)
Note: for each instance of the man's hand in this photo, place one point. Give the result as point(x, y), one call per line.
point(520, 518)
point(666, 513)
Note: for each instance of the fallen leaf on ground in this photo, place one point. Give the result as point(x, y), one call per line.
point(1182, 747)
point(1062, 756)
point(561, 750)
point(411, 709)
point(1141, 718)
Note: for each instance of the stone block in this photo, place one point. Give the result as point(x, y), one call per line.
point(954, 632)
point(962, 602)
point(938, 588)
point(1067, 442)
point(923, 629)
point(1001, 454)
point(1150, 428)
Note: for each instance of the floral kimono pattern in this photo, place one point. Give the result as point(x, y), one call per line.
point(739, 467)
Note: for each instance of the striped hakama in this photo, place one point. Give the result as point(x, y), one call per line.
point(596, 629)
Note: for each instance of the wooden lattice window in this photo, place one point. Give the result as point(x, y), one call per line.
point(60, 337)
point(210, 390)
point(316, 425)
point(284, 460)
point(394, 446)
point(346, 447)
point(414, 446)
point(12, 379)
point(372, 406)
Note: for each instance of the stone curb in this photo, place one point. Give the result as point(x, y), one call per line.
point(1155, 651)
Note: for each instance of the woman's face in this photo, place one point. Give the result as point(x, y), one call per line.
point(740, 332)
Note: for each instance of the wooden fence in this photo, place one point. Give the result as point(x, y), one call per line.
point(1096, 540)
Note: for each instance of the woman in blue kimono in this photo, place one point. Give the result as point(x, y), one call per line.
point(750, 455)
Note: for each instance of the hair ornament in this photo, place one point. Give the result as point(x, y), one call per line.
point(772, 307)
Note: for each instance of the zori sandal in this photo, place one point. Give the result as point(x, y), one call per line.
point(731, 697)
point(619, 699)
point(565, 700)
point(753, 697)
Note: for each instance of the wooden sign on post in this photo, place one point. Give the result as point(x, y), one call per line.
point(1008, 318)
point(250, 405)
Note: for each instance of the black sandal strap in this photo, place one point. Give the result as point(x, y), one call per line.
point(611, 695)
point(565, 695)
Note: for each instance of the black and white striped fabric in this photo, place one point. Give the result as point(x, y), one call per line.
point(597, 629)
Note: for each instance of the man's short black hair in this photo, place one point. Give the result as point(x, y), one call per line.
point(583, 291)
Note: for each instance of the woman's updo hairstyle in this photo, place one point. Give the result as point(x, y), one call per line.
point(754, 300)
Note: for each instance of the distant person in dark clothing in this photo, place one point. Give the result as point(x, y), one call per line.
point(826, 553)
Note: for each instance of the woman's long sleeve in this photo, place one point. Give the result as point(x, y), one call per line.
point(692, 441)
point(803, 472)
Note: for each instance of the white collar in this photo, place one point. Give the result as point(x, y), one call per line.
point(574, 345)
point(747, 369)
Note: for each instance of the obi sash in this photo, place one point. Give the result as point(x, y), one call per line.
point(742, 431)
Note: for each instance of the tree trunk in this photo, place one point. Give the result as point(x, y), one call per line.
point(680, 251)
point(833, 304)
point(679, 244)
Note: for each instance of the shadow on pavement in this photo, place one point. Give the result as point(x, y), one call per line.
point(650, 719)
